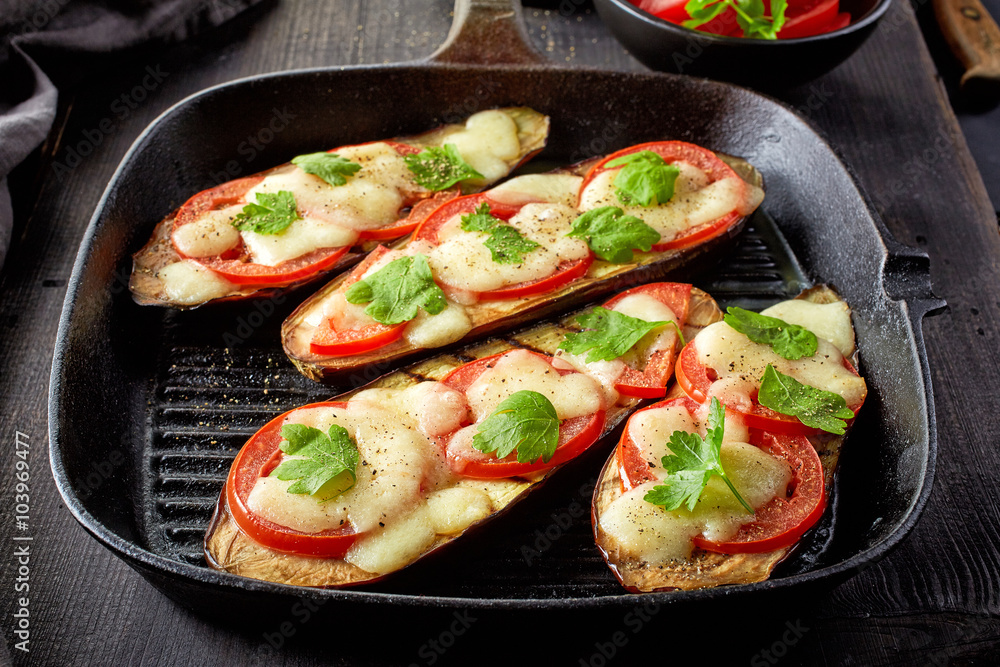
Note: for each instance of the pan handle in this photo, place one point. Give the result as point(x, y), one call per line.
point(906, 275)
point(488, 32)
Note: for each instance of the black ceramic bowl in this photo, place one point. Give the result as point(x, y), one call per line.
point(765, 64)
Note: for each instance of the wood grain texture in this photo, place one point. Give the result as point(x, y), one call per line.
point(934, 600)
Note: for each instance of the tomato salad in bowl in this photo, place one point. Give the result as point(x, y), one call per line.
point(483, 263)
point(322, 211)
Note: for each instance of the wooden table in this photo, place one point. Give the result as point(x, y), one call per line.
point(933, 600)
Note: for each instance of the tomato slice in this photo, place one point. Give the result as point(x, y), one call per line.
point(782, 521)
point(575, 435)
point(565, 273)
point(331, 340)
point(234, 266)
point(633, 468)
point(257, 459)
point(809, 18)
point(696, 380)
point(702, 158)
point(651, 381)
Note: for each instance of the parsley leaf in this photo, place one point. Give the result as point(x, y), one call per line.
point(612, 235)
point(814, 407)
point(787, 340)
point(326, 457)
point(611, 334)
point(525, 421)
point(691, 465)
point(645, 178)
point(749, 15)
point(397, 290)
point(329, 166)
point(272, 214)
point(506, 244)
point(439, 168)
point(481, 220)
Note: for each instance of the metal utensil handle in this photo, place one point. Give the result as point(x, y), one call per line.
point(488, 32)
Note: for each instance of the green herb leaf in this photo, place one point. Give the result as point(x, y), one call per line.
point(397, 290)
point(507, 245)
point(329, 166)
point(439, 168)
point(787, 340)
point(749, 15)
point(481, 220)
point(692, 463)
point(272, 214)
point(525, 422)
point(644, 179)
point(326, 457)
point(610, 334)
point(813, 407)
point(612, 235)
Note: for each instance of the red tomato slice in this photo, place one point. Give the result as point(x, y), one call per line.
point(257, 459)
point(575, 435)
point(334, 341)
point(565, 273)
point(651, 381)
point(702, 158)
point(632, 465)
point(234, 265)
point(669, 10)
point(782, 521)
point(809, 18)
point(696, 379)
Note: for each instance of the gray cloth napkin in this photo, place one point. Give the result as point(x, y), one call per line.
point(66, 29)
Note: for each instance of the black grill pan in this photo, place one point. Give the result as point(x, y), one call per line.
point(160, 401)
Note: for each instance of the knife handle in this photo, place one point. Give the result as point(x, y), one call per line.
point(974, 38)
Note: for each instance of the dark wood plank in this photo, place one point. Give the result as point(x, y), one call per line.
point(932, 601)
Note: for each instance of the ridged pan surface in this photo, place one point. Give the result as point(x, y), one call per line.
point(149, 406)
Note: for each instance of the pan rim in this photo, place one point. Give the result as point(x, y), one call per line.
point(915, 307)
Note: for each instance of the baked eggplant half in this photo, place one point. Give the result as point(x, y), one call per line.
point(350, 490)
point(535, 245)
point(323, 211)
point(718, 483)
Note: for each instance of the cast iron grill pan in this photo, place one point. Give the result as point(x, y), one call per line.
point(160, 401)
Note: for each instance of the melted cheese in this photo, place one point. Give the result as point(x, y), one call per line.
point(189, 283)
point(830, 321)
point(462, 260)
point(739, 364)
point(488, 142)
point(695, 201)
point(572, 395)
point(448, 326)
point(301, 237)
point(648, 532)
point(643, 307)
point(211, 234)
point(552, 188)
point(371, 197)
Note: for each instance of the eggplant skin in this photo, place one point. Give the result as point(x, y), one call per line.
point(147, 288)
point(228, 549)
point(603, 279)
point(704, 569)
